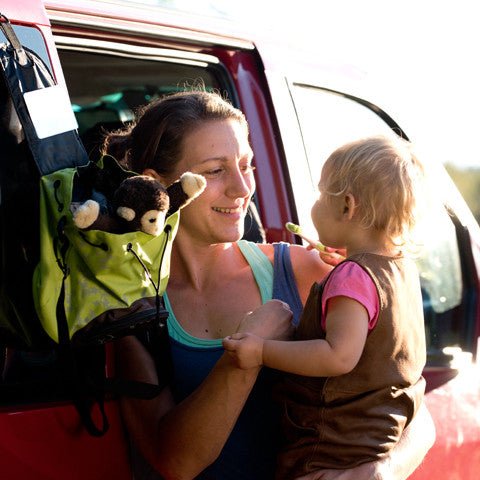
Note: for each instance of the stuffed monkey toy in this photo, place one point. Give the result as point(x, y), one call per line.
point(140, 203)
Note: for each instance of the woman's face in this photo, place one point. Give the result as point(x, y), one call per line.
point(218, 150)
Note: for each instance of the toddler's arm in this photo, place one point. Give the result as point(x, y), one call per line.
point(347, 327)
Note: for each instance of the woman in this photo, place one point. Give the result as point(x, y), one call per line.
point(216, 421)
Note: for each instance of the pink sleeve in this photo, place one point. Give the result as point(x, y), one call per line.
point(350, 280)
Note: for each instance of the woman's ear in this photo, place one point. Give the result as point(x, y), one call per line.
point(150, 172)
point(349, 206)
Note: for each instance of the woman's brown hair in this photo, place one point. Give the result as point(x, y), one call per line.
point(154, 139)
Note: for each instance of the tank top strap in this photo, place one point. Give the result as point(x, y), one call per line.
point(284, 284)
point(277, 281)
point(261, 267)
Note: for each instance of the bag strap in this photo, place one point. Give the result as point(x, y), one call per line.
point(24, 71)
point(84, 390)
point(88, 385)
point(12, 38)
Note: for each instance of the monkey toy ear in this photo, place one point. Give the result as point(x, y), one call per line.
point(85, 215)
point(126, 213)
point(183, 191)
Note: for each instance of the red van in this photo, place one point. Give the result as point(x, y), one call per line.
point(116, 57)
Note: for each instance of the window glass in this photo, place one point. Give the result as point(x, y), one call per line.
point(31, 38)
point(124, 78)
point(119, 85)
point(328, 120)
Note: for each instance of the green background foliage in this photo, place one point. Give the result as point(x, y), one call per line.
point(468, 182)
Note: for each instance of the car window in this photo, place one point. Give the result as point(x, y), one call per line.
point(31, 38)
point(126, 77)
point(122, 80)
point(328, 120)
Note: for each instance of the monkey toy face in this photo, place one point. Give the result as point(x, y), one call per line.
point(142, 202)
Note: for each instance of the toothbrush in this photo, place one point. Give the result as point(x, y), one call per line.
point(297, 230)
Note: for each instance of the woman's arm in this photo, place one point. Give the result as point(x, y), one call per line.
point(181, 440)
point(308, 268)
point(408, 454)
point(416, 441)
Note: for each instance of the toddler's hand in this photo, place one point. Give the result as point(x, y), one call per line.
point(245, 349)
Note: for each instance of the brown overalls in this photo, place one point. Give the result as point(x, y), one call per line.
point(343, 421)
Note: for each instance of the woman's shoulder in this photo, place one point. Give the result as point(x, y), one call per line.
point(267, 249)
point(301, 258)
point(298, 254)
point(306, 264)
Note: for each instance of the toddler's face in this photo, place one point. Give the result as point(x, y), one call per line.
point(326, 216)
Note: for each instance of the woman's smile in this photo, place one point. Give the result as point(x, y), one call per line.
point(228, 210)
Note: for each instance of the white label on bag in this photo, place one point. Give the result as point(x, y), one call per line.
point(50, 111)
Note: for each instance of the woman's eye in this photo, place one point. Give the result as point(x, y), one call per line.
point(214, 171)
point(247, 168)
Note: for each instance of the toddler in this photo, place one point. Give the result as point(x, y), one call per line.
point(354, 372)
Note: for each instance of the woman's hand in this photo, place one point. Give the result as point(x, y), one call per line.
point(332, 256)
point(401, 462)
point(272, 320)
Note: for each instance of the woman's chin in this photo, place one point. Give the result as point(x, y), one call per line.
point(230, 236)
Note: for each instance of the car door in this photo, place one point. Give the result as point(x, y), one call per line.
point(314, 119)
point(113, 61)
point(111, 68)
point(42, 436)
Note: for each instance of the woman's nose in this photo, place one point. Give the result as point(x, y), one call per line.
point(240, 184)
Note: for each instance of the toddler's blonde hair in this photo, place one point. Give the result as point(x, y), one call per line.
point(386, 179)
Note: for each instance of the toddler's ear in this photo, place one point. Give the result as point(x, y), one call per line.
point(349, 206)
